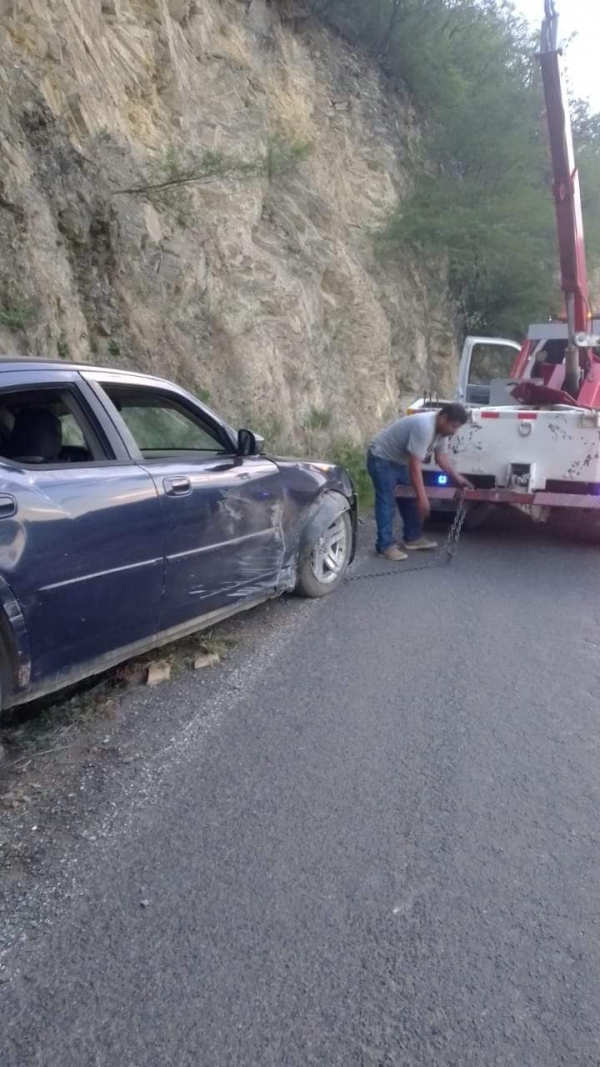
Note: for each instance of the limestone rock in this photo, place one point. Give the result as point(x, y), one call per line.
point(263, 290)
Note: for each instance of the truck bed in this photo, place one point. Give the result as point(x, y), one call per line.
point(549, 457)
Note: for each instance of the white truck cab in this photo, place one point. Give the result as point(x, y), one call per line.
point(484, 373)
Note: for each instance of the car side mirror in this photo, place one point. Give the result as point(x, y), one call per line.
point(249, 444)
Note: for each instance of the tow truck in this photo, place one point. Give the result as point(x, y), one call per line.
point(533, 437)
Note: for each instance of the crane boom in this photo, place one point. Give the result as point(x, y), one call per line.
point(580, 379)
point(567, 195)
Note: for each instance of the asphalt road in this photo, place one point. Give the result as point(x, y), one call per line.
point(380, 849)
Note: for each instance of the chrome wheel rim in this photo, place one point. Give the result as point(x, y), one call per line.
point(328, 557)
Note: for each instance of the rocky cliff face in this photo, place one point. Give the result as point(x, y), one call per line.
point(256, 286)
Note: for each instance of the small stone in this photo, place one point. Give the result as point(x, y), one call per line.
point(206, 659)
point(131, 759)
point(157, 673)
point(144, 903)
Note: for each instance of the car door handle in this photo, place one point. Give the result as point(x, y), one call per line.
point(177, 486)
point(8, 506)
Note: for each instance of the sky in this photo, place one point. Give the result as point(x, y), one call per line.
point(581, 59)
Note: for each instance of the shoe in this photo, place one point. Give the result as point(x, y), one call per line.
point(421, 544)
point(393, 553)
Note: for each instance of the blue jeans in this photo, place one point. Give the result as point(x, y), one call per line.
point(385, 476)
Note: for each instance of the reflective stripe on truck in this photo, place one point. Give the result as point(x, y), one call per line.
point(509, 496)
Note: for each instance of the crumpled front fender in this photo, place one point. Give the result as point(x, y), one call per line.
point(324, 512)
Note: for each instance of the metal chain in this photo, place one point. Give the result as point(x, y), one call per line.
point(447, 550)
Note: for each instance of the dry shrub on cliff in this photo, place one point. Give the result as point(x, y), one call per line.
point(289, 94)
point(232, 45)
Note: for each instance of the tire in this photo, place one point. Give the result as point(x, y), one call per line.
point(6, 677)
point(476, 515)
point(440, 518)
point(325, 566)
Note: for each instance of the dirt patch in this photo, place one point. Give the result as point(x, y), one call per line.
point(66, 723)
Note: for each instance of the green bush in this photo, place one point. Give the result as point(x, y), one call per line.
point(354, 459)
point(483, 197)
point(283, 155)
point(318, 419)
point(16, 316)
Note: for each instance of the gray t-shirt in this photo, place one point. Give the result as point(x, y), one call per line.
point(413, 435)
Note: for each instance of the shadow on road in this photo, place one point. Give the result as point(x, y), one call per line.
point(562, 526)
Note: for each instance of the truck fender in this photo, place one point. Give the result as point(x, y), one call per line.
point(326, 510)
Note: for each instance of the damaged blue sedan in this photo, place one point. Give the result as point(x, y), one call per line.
point(131, 515)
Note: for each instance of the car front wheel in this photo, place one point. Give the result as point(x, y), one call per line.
point(325, 566)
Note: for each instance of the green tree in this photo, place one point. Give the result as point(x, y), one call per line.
point(484, 196)
point(485, 201)
point(586, 133)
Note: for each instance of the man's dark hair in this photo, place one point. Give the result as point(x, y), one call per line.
point(455, 413)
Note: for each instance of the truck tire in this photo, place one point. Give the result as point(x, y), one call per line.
point(440, 518)
point(476, 515)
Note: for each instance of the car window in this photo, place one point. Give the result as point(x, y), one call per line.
point(490, 361)
point(45, 426)
point(72, 433)
point(160, 425)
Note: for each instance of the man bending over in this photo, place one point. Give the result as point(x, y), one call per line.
point(395, 457)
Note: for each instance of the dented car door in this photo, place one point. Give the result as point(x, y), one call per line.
point(222, 513)
point(223, 537)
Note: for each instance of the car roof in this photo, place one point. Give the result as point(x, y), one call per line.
point(12, 363)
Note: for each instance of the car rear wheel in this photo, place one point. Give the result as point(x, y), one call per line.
point(325, 566)
point(6, 688)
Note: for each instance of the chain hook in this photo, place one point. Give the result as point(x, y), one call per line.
point(451, 544)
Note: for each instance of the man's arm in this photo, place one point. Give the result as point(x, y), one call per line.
point(416, 477)
point(443, 461)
